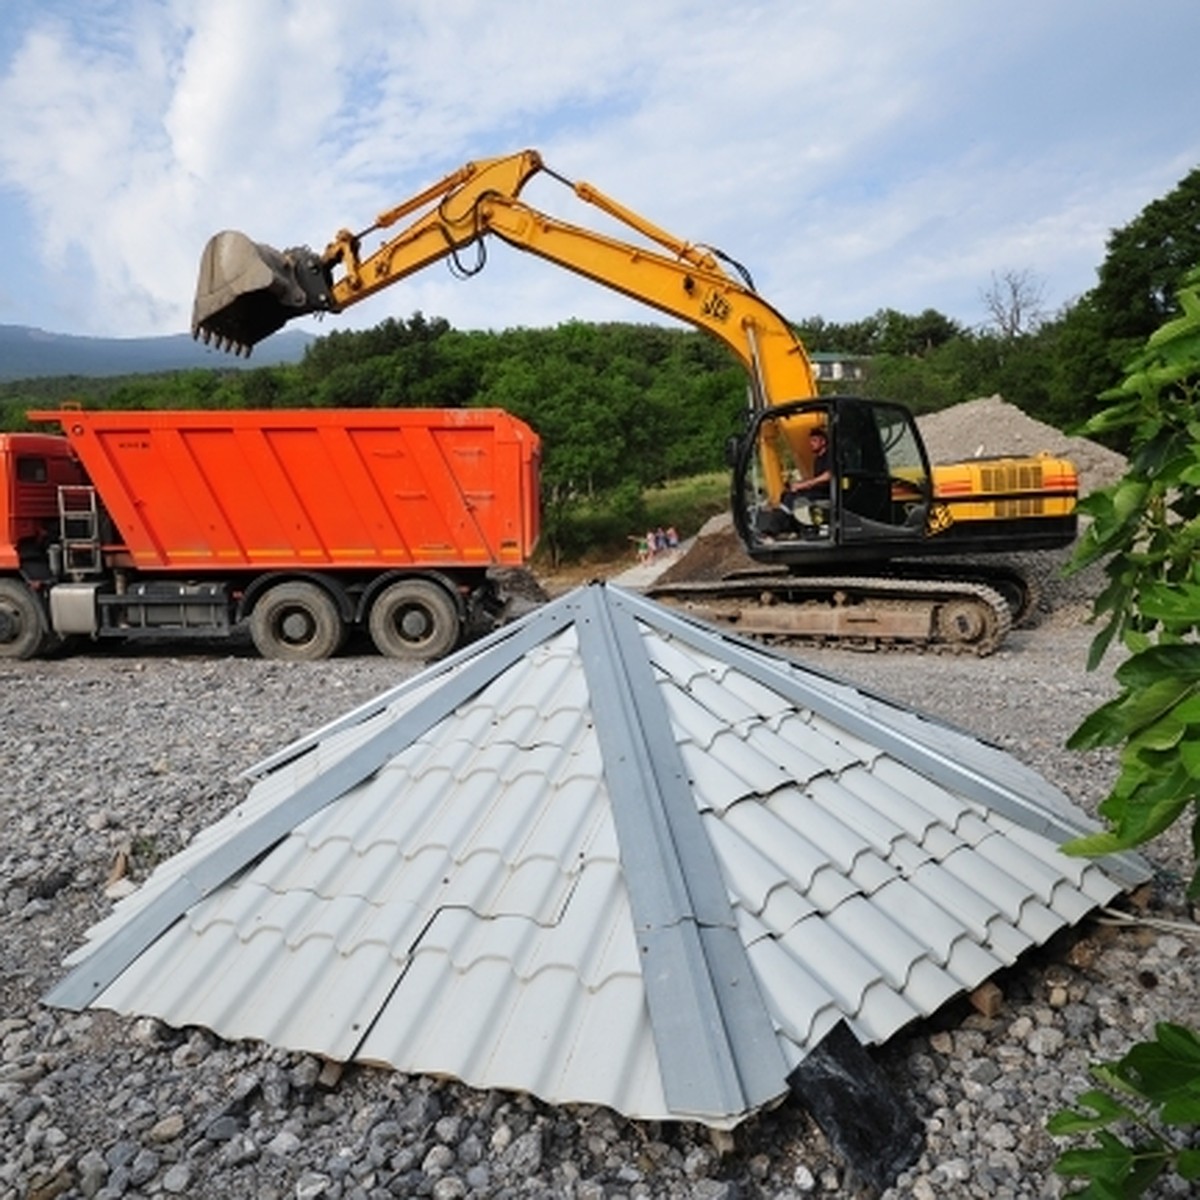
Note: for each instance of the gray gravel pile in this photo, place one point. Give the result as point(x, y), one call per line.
point(990, 426)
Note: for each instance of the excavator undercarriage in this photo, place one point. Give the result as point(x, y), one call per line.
point(953, 615)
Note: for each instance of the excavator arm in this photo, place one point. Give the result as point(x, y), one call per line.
point(247, 290)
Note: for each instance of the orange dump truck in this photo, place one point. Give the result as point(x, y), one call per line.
point(301, 525)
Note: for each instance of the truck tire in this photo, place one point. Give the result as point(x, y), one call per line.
point(414, 619)
point(297, 622)
point(23, 631)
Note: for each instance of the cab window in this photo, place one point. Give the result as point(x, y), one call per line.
point(31, 469)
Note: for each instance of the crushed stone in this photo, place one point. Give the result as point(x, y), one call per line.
point(113, 753)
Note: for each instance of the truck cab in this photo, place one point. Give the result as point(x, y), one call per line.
point(33, 467)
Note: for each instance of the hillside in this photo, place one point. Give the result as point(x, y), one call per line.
point(27, 353)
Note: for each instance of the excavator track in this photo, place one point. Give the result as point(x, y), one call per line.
point(1021, 589)
point(869, 612)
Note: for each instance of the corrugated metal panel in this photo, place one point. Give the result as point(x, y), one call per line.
point(610, 856)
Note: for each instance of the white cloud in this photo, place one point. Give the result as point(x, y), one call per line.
point(853, 155)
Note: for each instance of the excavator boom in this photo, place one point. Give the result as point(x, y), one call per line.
point(248, 290)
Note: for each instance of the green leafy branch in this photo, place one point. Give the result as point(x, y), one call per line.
point(1151, 1095)
point(1145, 528)
point(1142, 1119)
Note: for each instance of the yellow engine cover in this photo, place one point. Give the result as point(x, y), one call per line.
point(1008, 488)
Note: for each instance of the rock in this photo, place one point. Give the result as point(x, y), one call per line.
point(177, 1179)
point(167, 1129)
point(92, 1171)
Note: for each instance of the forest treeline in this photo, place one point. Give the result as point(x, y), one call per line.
point(626, 407)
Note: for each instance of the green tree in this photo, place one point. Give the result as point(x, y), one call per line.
point(1143, 269)
point(887, 331)
point(390, 336)
point(1146, 264)
point(1146, 530)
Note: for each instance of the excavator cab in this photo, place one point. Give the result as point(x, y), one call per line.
point(247, 290)
point(875, 503)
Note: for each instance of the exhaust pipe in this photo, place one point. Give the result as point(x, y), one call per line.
point(248, 290)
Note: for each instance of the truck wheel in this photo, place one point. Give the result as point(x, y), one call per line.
point(23, 629)
point(414, 619)
point(296, 622)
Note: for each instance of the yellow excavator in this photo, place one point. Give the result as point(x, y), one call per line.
point(850, 530)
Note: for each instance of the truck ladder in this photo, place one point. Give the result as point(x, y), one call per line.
point(79, 526)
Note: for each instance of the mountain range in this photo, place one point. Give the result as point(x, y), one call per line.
point(27, 353)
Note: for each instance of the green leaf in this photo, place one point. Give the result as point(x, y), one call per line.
point(1171, 602)
point(1136, 709)
point(1096, 845)
point(1136, 641)
point(1102, 727)
point(1146, 1169)
point(1187, 1164)
point(1111, 1161)
point(1164, 734)
point(1181, 661)
point(1184, 1110)
point(1093, 1109)
point(1146, 813)
point(1189, 711)
point(1129, 499)
point(1100, 644)
point(1116, 416)
point(1179, 1043)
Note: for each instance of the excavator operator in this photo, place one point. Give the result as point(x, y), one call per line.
point(806, 498)
point(816, 486)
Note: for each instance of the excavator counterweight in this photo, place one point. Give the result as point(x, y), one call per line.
point(247, 290)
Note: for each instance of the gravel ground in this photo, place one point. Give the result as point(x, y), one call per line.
point(110, 756)
point(110, 753)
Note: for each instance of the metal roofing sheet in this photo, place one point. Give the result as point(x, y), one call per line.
point(607, 855)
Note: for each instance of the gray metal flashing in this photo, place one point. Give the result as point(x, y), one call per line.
point(912, 746)
point(697, 973)
point(100, 968)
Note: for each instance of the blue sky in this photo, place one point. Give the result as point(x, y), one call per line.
point(853, 154)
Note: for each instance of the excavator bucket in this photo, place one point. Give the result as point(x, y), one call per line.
point(248, 290)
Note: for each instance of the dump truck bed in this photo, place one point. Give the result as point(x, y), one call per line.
point(333, 488)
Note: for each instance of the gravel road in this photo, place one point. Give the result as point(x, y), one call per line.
point(109, 753)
